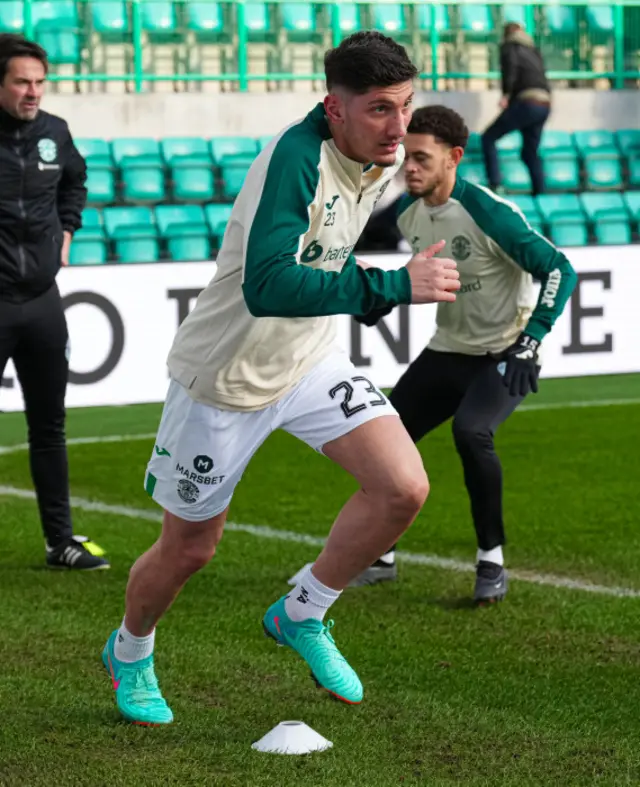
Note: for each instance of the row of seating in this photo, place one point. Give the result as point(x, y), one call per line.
point(194, 232)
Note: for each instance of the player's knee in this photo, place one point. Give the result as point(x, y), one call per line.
point(193, 556)
point(408, 493)
point(471, 437)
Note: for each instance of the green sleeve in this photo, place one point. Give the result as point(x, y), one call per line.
point(507, 227)
point(275, 284)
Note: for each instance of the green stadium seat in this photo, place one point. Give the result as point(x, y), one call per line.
point(11, 16)
point(205, 18)
point(185, 229)
point(133, 232)
point(388, 18)
point(88, 251)
point(510, 145)
point(54, 14)
point(600, 19)
point(143, 184)
point(298, 21)
point(603, 173)
point(136, 152)
point(557, 144)
point(561, 19)
point(473, 151)
point(610, 231)
point(475, 19)
point(609, 216)
point(193, 183)
point(257, 22)
point(561, 174)
point(178, 151)
point(560, 206)
point(109, 18)
point(424, 13)
point(596, 143)
point(628, 141)
point(515, 176)
point(100, 185)
point(347, 18)
point(633, 180)
point(62, 48)
point(569, 233)
point(234, 172)
point(528, 207)
point(96, 152)
point(515, 13)
point(91, 225)
point(217, 217)
point(474, 172)
point(632, 202)
point(158, 19)
point(232, 146)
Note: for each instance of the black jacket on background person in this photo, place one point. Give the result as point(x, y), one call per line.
point(522, 67)
point(42, 194)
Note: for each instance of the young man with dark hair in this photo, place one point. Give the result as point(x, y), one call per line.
point(525, 105)
point(484, 356)
point(258, 353)
point(42, 194)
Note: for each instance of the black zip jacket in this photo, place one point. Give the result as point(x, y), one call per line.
point(42, 194)
point(522, 67)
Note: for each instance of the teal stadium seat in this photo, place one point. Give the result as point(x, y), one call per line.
point(569, 233)
point(136, 152)
point(133, 232)
point(561, 174)
point(234, 171)
point(628, 140)
point(185, 230)
point(388, 18)
point(596, 143)
point(143, 184)
point(529, 208)
point(57, 28)
point(473, 171)
point(554, 144)
point(632, 201)
point(110, 20)
point(100, 185)
point(515, 13)
point(438, 14)
point(186, 150)
point(96, 152)
point(603, 173)
point(11, 16)
point(232, 146)
point(510, 146)
point(600, 20)
point(217, 217)
point(158, 20)
point(559, 206)
point(298, 21)
point(633, 180)
point(515, 176)
point(258, 23)
point(473, 151)
point(476, 20)
point(347, 18)
point(206, 19)
point(610, 218)
point(565, 218)
point(88, 246)
point(191, 168)
point(561, 19)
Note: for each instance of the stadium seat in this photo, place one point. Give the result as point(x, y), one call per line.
point(515, 176)
point(632, 201)
point(136, 152)
point(143, 184)
point(96, 152)
point(347, 18)
point(474, 172)
point(62, 47)
point(600, 19)
point(192, 183)
point(557, 144)
point(109, 18)
point(100, 185)
point(186, 150)
point(634, 171)
point(158, 19)
point(232, 146)
point(54, 15)
point(185, 230)
point(510, 145)
point(88, 251)
point(133, 232)
point(258, 23)
point(388, 18)
point(206, 19)
point(569, 233)
point(561, 19)
point(217, 217)
point(475, 20)
point(424, 12)
point(11, 16)
point(298, 21)
point(528, 207)
point(628, 141)
point(515, 13)
point(596, 143)
point(234, 172)
point(561, 174)
point(603, 173)
point(560, 206)
point(610, 217)
point(473, 151)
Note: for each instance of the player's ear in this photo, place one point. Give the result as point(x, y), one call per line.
point(456, 155)
point(334, 107)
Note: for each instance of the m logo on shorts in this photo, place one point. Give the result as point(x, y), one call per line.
point(203, 463)
point(188, 491)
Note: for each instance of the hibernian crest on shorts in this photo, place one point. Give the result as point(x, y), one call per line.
point(460, 247)
point(47, 149)
point(188, 491)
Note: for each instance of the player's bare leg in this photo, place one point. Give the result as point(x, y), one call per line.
point(394, 486)
point(155, 580)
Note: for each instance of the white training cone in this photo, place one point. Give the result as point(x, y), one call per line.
point(292, 737)
point(294, 579)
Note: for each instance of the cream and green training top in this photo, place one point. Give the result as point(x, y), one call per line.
point(284, 269)
point(498, 255)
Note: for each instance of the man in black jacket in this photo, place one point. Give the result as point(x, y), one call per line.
point(526, 103)
point(42, 194)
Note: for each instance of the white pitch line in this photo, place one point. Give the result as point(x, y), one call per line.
point(271, 533)
point(12, 449)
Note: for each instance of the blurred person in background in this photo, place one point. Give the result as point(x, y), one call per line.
point(42, 195)
point(525, 104)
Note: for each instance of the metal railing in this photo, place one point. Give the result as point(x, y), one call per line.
point(455, 45)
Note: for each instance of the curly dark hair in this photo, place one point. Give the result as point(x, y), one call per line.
point(445, 124)
point(14, 45)
point(367, 60)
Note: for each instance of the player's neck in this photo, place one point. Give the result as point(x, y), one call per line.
point(441, 194)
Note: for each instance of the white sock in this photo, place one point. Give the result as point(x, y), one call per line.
point(129, 648)
point(309, 599)
point(492, 555)
point(389, 558)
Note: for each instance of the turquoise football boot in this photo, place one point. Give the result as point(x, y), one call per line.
point(312, 640)
point(138, 695)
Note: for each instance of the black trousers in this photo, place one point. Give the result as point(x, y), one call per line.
point(34, 335)
point(469, 388)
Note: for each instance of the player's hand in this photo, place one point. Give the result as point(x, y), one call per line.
point(433, 279)
point(373, 316)
point(519, 366)
point(64, 252)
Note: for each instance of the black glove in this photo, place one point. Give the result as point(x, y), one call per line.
point(519, 366)
point(373, 316)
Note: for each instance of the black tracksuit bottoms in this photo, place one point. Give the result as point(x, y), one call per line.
point(34, 335)
point(469, 388)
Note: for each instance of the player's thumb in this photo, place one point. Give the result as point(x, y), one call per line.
point(432, 250)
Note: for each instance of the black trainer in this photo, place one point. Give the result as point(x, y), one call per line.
point(491, 582)
point(378, 572)
point(73, 554)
